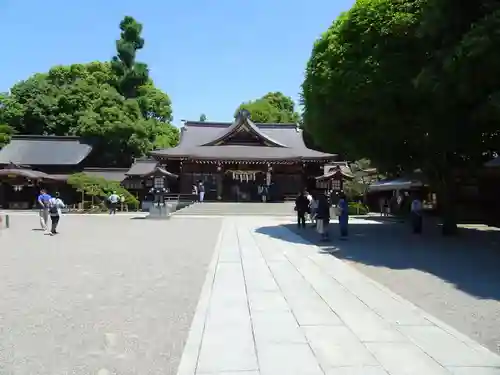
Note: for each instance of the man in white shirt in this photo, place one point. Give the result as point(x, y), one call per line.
point(113, 202)
point(55, 206)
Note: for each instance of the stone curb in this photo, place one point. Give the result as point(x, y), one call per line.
point(191, 351)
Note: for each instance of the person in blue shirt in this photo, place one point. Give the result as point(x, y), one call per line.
point(343, 215)
point(43, 204)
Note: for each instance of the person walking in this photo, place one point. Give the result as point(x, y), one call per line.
point(55, 206)
point(201, 191)
point(416, 215)
point(262, 191)
point(343, 207)
point(313, 209)
point(194, 191)
point(113, 202)
point(301, 207)
point(43, 203)
point(322, 217)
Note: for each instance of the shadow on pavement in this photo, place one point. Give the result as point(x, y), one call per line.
point(470, 261)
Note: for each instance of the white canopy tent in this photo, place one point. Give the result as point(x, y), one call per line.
point(395, 184)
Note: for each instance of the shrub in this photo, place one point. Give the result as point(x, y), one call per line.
point(356, 208)
point(99, 189)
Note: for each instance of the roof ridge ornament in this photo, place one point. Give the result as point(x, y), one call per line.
point(244, 114)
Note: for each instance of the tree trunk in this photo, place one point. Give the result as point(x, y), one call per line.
point(447, 205)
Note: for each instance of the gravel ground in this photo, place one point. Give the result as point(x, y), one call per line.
point(455, 279)
point(109, 295)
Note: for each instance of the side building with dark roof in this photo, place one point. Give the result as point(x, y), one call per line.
point(234, 159)
point(31, 161)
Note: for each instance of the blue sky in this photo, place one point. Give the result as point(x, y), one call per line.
point(209, 56)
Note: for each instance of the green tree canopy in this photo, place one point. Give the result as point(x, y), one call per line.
point(5, 130)
point(125, 115)
point(394, 82)
point(130, 75)
point(358, 95)
point(274, 107)
point(203, 117)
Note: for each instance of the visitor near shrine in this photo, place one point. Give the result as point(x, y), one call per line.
point(313, 208)
point(416, 215)
point(201, 191)
point(263, 192)
point(113, 203)
point(343, 207)
point(55, 206)
point(323, 217)
point(301, 207)
point(43, 202)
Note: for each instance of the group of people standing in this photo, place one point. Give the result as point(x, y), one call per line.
point(317, 208)
point(198, 190)
point(50, 207)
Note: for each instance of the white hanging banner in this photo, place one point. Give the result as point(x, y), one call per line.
point(244, 176)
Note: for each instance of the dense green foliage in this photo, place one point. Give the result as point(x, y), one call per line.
point(203, 117)
point(274, 107)
point(409, 84)
point(99, 188)
point(115, 103)
point(356, 208)
point(5, 130)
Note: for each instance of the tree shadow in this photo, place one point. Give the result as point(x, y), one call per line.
point(470, 261)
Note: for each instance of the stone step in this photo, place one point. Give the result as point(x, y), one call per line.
point(238, 209)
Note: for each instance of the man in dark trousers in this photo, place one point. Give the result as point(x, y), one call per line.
point(416, 214)
point(323, 216)
point(302, 207)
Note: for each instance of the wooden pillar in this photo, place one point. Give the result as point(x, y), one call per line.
point(2, 195)
point(268, 174)
point(218, 178)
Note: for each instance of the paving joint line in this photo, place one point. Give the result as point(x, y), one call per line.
point(364, 343)
point(207, 287)
point(248, 301)
point(286, 300)
point(429, 317)
point(470, 343)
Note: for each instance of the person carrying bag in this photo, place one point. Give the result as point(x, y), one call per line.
point(55, 206)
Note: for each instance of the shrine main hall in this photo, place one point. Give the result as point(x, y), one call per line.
point(234, 159)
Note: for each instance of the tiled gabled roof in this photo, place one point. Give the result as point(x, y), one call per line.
point(44, 150)
point(142, 167)
point(197, 139)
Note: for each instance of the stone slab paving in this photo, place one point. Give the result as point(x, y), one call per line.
point(275, 305)
point(107, 296)
point(456, 279)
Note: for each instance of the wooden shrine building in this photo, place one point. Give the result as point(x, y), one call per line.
point(234, 159)
point(30, 162)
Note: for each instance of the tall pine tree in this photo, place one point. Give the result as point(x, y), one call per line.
point(131, 75)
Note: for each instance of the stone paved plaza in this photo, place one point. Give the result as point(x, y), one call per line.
point(455, 279)
point(118, 295)
point(273, 304)
point(109, 295)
